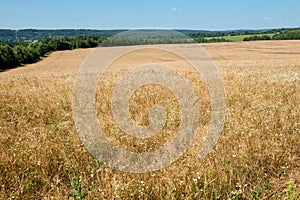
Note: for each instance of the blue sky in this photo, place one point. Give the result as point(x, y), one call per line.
point(174, 14)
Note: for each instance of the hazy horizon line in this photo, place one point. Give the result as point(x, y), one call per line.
point(149, 28)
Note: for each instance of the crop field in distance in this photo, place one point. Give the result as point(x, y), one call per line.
point(257, 155)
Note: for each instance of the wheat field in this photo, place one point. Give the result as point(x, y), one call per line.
point(257, 155)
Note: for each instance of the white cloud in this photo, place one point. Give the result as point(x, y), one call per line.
point(176, 9)
point(267, 18)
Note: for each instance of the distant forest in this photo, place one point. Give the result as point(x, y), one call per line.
point(27, 35)
point(17, 54)
point(20, 47)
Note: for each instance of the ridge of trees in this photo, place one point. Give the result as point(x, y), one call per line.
point(14, 55)
point(287, 35)
point(283, 34)
point(16, 36)
point(257, 37)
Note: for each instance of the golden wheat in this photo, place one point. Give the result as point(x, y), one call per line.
point(257, 155)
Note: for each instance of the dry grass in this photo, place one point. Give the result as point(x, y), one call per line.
point(257, 156)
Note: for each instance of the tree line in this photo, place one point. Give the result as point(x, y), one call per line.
point(257, 37)
point(13, 55)
point(284, 34)
point(15, 36)
point(210, 40)
point(288, 35)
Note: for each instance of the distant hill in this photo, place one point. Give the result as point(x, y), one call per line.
point(15, 36)
point(35, 34)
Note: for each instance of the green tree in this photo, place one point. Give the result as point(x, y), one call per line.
point(7, 58)
point(20, 54)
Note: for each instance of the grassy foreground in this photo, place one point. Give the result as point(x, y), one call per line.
point(257, 156)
